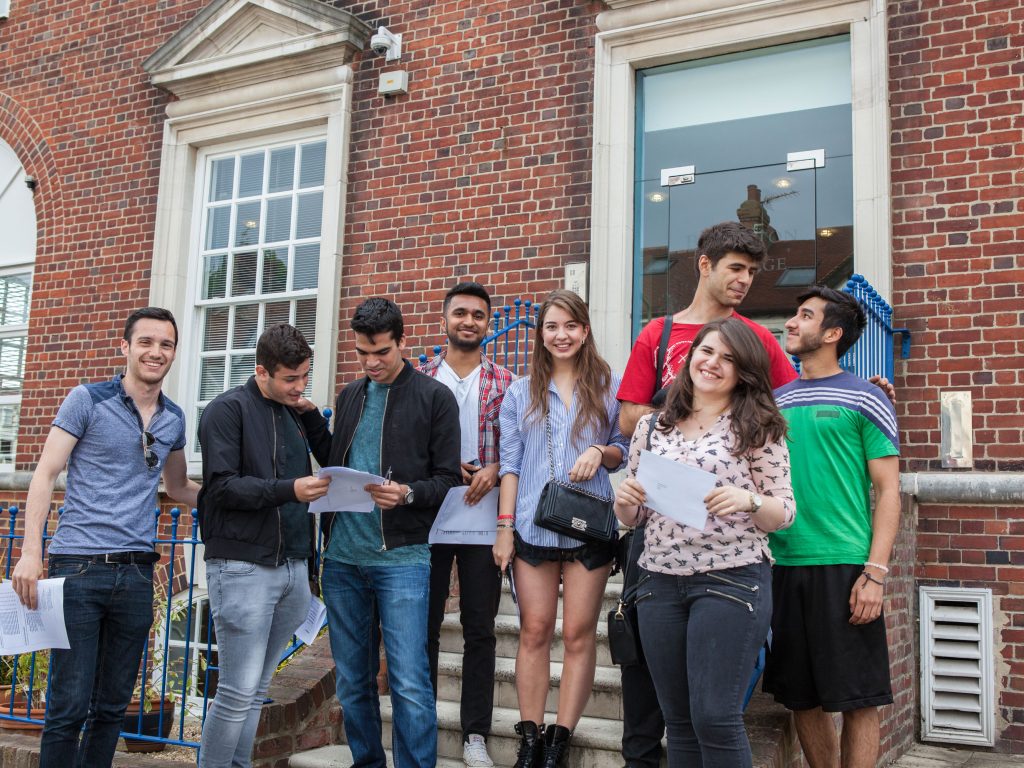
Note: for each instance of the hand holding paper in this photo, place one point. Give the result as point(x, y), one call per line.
point(23, 630)
point(674, 489)
point(346, 493)
point(458, 522)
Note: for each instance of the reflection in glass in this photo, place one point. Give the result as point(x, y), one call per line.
point(797, 97)
point(310, 215)
point(307, 266)
point(211, 378)
point(305, 319)
point(276, 312)
point(279, 220)
point(243, 274)
point(275, 270)
point(242, 367)
point(215, 276)
point(14, 298)
point(215, 334)
point(218, 224)
point(245, 329)
point(8, 432)
point(247, 224)
point(12, 364)
point(222, 178)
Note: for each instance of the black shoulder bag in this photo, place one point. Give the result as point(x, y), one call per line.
point(623, 632)
point(571, 511)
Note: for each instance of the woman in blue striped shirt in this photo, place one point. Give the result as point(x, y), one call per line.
point(569, 394)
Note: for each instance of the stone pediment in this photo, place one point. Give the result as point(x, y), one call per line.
point(233, 43)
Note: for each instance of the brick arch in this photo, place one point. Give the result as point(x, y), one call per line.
point(29, 141)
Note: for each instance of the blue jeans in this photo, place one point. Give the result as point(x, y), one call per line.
point(256, 609)
point(400, 593)
point(108, 610)
point(701, 635)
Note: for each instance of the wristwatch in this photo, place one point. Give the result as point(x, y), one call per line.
point(409, 497)
point(755, 503)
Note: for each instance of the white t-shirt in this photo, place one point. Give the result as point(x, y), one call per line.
point(467, 394)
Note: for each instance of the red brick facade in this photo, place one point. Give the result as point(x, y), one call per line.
point(484, 171)
point(957, 89)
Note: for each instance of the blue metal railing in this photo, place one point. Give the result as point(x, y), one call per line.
point(511, 336)
point(160, 675)
point(874, 352)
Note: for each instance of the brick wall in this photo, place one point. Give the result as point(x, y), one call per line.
point(956, 90)
point(483, 170)
point(76, 108)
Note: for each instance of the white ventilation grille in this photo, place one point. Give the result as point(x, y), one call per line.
point(957, 701)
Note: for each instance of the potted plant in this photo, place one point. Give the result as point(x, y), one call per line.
point(23, 682)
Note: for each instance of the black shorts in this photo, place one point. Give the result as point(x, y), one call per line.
point(592, 556)
point(818, 658)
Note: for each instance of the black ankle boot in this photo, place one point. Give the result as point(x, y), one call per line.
point(531, 745)
point(556, 747)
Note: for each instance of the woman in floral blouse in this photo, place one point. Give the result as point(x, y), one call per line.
point(704, 596)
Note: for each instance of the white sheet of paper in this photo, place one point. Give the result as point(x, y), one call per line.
point(674, 489)
point(22, 630)
point(315, 615)
point(345, 493)
point(459, 523)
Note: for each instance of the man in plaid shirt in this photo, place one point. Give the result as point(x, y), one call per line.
point(479, 386)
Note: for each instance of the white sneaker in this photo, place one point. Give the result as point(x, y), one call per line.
point(474, 752)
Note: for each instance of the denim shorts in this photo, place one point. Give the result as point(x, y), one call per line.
point(592, 556)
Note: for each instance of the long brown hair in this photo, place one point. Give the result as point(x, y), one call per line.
point(756, 420)
point(594, 375)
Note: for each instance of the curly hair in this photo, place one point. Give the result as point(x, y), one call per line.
point(756, 419)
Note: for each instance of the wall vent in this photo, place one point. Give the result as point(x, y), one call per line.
point(957, 700)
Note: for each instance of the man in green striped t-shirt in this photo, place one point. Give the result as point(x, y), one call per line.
point(829, 651)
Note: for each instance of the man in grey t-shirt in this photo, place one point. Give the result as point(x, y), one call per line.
point(116, 439)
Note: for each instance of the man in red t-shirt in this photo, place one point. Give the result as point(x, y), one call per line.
point(730, 256)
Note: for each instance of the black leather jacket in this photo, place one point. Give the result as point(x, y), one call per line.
point(239, 503)
point(420, 442)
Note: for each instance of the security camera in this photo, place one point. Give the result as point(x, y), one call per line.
point(386, 44)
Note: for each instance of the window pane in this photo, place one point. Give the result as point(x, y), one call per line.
point(242, 367)
point(310, 215)
point(211, 378)
point(8, 432)
point(243, 274)
point(215, 336)
point(250, 180)
point(307, 266)
point(278, 312)
point(14, 291)
point(275, 270)
point(311, 170)
point(247, 225)
point(279, 220)
point(215, 276)
point(305, 319)
point(218, 224)
point(222, 177)
point(246, 324)
point(206, 682)
point(12, 364)
point(282, 170)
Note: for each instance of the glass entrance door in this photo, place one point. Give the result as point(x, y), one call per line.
point(763, 137)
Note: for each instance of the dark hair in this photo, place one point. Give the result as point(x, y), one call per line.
point(468, 288)
point(842, 311)
point(378, 315)
point(594, 374)
point(149, 313)
point(729, 237)
point(282, 345)
point(756, 420)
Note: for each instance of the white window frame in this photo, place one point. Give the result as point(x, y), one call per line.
point(193, 322)
point(15, 331)
point(193, 701)
point(304, 104)
point(637, 35)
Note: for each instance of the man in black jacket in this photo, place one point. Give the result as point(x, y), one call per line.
point(257, 533)
point(404, 427)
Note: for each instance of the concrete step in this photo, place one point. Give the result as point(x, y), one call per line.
point(506, 629)
point(605, 700)
point(339, 756)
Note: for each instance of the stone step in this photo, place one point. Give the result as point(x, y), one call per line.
point(605, 700)
point(612, 592)
point(339, 756)
point(506, 629)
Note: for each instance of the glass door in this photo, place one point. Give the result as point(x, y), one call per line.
point(763, 138)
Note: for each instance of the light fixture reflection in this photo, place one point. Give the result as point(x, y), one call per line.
point(656, 197)
point(783, 183)
point(826, 232)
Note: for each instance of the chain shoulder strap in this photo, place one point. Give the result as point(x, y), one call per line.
point(551, 468)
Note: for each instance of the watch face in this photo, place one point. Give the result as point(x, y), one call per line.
point(408, 497)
